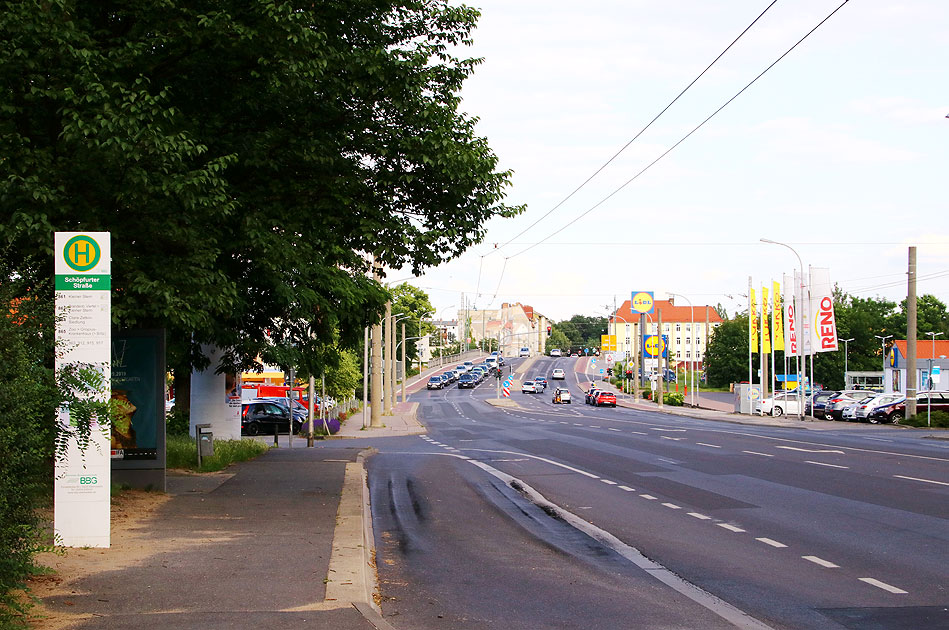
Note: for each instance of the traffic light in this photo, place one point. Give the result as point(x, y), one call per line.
point(549, 330)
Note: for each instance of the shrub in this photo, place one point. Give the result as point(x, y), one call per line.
point(183, 453)
point(178, 422)
point(673, 399)
point(939, 419)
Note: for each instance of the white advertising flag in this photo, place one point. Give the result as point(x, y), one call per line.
point(822, 319)
point(802, 312)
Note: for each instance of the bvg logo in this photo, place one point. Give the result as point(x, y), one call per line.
point(81, 253)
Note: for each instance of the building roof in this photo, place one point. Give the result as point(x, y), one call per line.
point(670, 313)
point(924, 348)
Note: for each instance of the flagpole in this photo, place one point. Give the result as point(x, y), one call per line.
point(751, 314)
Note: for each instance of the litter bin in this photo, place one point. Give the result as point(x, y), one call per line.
point(205, 440)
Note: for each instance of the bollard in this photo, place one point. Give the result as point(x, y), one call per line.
point(276, 432)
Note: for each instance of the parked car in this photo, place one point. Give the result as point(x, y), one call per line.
point(558, 374)
point(556, 353)
point(528, 387)
point(780, 404)
point(604, 399)
point(879, 408)
point(467, 380)
point(561, 396)
point(525, 352)
point(833, 410)
point(299, 409)
point(849, 412)
point(541, 383)
point(262, 416)
point(820, 404)
point(590, 395)
point(937, 401)
point(436, 382)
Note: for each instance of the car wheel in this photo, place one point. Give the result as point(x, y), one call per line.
point(776, 411)
point(873, 420)
point(253, 429)
point(896, 417)
point(296, 427)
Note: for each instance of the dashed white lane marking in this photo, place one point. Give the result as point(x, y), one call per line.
point(757, 453)
point(611, 429)
point(810, 450)
point(701, 517)
point(577, 424)
point(731, 528)
point(672, 506)
point(821, 562)
point(626, 488)
point(807, 461)
point(941, 483)
point(607, 481)
point(773, 543)
point(639, 432)
point(594, 426)
point(649, 497)
point(883, 585)
point(708, 445)
point(670, 430)
point(666, 437)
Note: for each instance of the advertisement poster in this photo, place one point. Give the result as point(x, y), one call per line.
point(136, 388)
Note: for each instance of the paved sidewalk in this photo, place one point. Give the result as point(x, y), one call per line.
point(277, 542)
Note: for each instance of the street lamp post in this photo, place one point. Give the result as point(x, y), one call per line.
point(883, 339)
point(929, 397)
point(846, 341)
point(801, 316)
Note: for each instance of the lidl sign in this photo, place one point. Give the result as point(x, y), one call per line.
point(643, 302)
point(654, 346)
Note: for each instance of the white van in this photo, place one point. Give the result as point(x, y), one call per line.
point(525, 352)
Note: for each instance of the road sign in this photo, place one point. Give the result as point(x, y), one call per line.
point(586, 351)
point(609, 358)
point(601, 370)
point(506, 391)
point(937, 374)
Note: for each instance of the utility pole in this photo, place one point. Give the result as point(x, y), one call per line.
point(376, 412)
point(365, 378)
point(911, 335)
point(387, 382)
point(660, 393)
point(404, 344)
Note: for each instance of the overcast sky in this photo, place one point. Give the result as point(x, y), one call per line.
point(840, 150)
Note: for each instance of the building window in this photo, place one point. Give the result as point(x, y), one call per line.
point(688, 340)
point(678, 341)
point(698, 341)
point(688, 354)
point(678, 327)
point(688, 327)
point(678, 354)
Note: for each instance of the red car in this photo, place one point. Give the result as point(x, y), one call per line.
point(605, 399)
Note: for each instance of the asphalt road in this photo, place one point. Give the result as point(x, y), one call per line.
point(570, 516)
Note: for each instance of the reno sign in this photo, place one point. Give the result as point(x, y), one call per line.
point(824, 329)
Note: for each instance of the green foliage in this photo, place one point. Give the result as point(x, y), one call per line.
point(28, 402)
point(177, 422)
point(341, 382)
point(726, 356)
point(414, 302)
point(938, 420)
point(266, 151)
point(183, 453)
point(558, 339)
point(673, 399)
point(582, 331)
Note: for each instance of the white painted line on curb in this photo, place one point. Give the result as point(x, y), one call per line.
point(883, 585)
point(731, 528)
point(708, 445)
point(773, 543)
point(756, 453)
point(701, 517)
point(821, 562)
point(807, 461)
point(941, 483)
point(649, 497)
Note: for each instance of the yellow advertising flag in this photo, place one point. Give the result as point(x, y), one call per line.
point(753, 318)
point(778, 318)
point(765, 328)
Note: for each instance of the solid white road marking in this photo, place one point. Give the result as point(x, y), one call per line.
point(730, 528)
point(821, 562)
point(883, 585)
point(701, 517)
point(807, 461)
point(756, 453)
point(809, 450)
point(773, 543)
point(941, 483)
point(708, 445)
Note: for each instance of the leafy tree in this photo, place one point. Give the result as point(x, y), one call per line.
point(726, 356)
point(558, 339)
point(414, 302)
point(583, 331)
point(246, 161)
point(931, 316)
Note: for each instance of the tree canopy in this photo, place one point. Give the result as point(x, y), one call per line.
point(248, 159)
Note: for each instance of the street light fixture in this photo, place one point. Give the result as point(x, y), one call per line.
point(846, 341)
point(801, 318)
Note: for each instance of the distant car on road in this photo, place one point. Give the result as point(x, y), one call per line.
point(561, 396)
point(528, 387)
point(436, 382)
point(556, 352)
point(525, 352)
point(604, 399)
point(540, 382)
point(558, 374)
point(467, 380)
